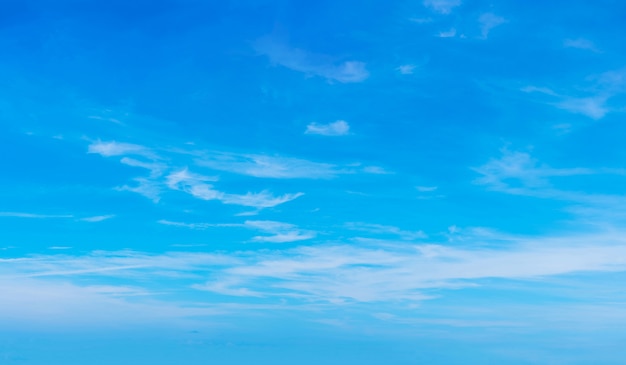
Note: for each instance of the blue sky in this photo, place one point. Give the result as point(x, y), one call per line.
point(279, 182)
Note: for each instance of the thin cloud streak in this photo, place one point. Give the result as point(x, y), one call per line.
point(311, 63)
point(383, 272)
point(338, 128)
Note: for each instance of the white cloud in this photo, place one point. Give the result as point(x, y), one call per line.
point(149, 188)
point(108, 149)
point(338, 128)
point(97, 218)
point(580, 43)
point(442, 6)
point(406, 69)
point(518, 172)
point(310, 63)
point(263, 199)
point(426, 189)
point(200, 226)
point(268, 166)
point(377, 170)
point(45, 288)
point(592, 107)
point(488, 21)
point(280, 232)
point(197, 185)
point(386, 230)
point(156, 169)
point(388, 273)
point(447, 34)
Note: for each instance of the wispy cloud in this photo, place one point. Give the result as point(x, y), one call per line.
point(265, 166)
point(407, 69)
point(113, 148)
point(165, 176)
point(196, 186)
point(279, 232)
point(328, 274)
point(311, 63)
point(442, 6)
point(97, 218)
point(592, 100)
point(338, 128)
point(336, 273)
point(426, 189)
point(488, 21)
point(519, 174)
point(580, 43)
point(201, 226)
point(149, 188)
point(380, 229)
point(447, 34)
point(263, 199)
point(593, 107)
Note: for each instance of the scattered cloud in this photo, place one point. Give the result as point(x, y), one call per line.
point(265, 166)
point(164, 176)
point(592, 107)
point(385, 272)
point(519, 173)
point(580, 43)
point(196, 185)
point(280, 232)
point(97, 218)
point(338, 128)
point(386, 230)
point(488, 21)
point(155, 168)
point(421, 20)
point(113, 148)
point(426, 189)
point(442, 6)
point(200, 226)
point(149, 188)
point(407, 69)
point(376, 170)
point(592, 100)
point(311, 63)
point(263, 199)
point(447, 34)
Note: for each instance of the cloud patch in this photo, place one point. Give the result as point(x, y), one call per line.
point(488, 21)
point(310, 63)
point(442, 6)
point(338, 128)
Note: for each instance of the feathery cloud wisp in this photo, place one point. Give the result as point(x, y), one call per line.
point(279, 232)
point(442, 6)
point(406, 69)
point(310, 63)
point(488, 21)
point(338, 128)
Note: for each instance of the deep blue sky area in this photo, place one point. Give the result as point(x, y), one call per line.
point(336, 182)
